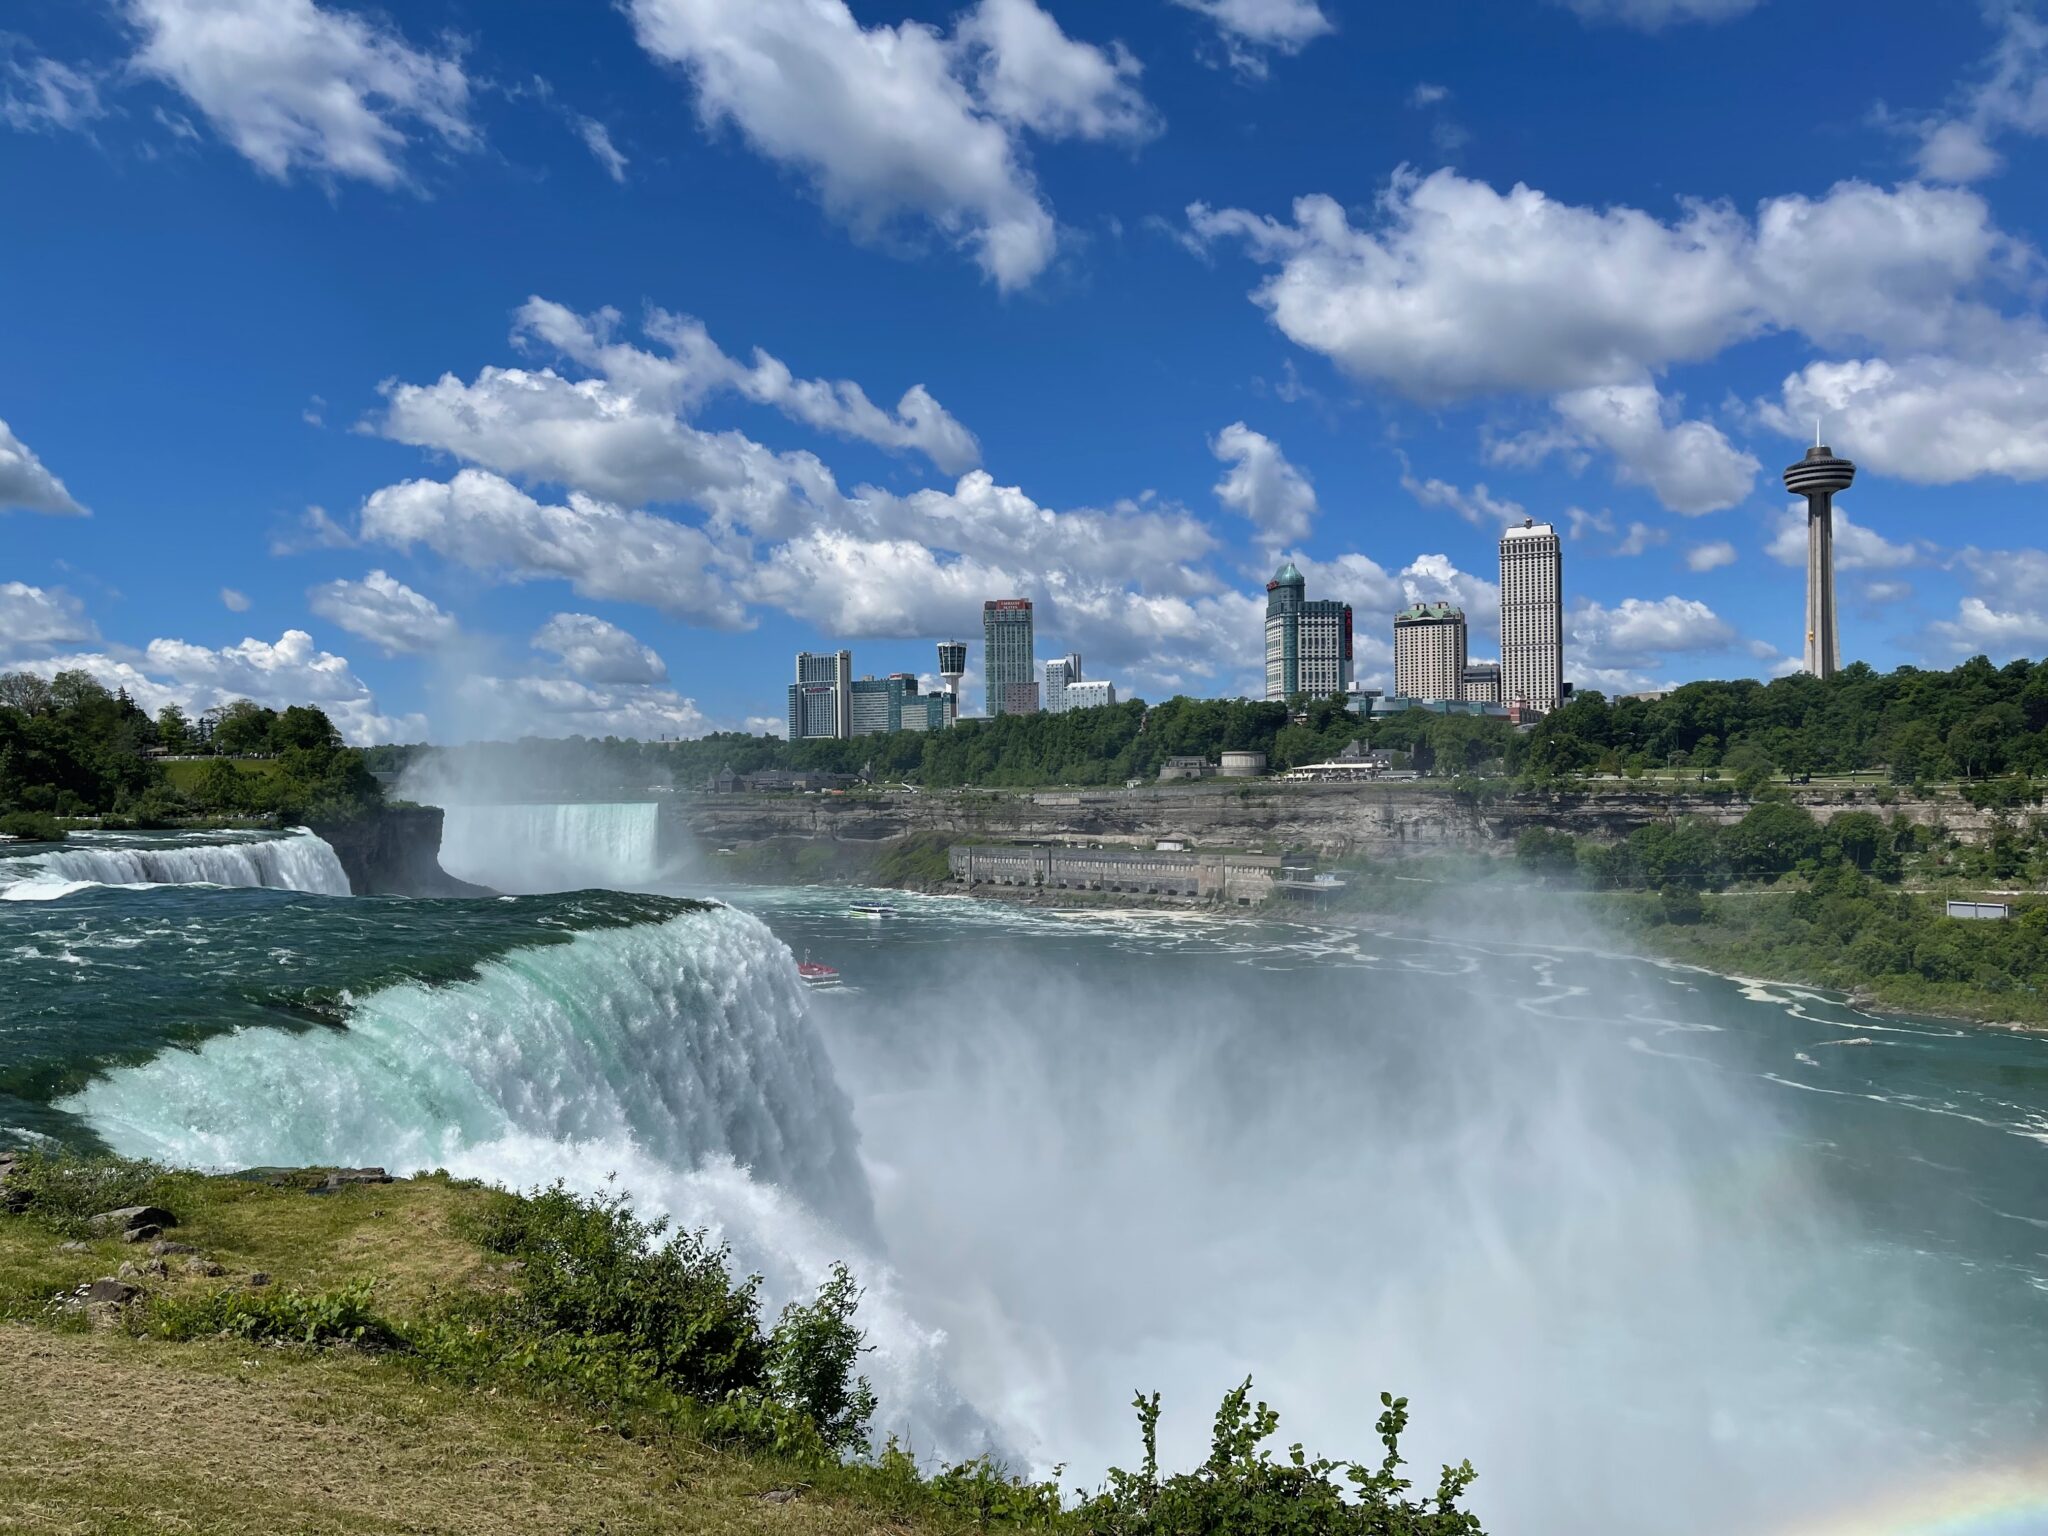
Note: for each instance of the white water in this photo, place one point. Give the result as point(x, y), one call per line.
point(529, 848)
point(298, 862)
point(679, 1057)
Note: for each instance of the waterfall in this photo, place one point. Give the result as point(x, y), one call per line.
point(553, 847)
point(297, 862)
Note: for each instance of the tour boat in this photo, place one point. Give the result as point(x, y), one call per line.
point(872, 909)
point(812, 974)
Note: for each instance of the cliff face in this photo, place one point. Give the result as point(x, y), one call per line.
point(1376, 821)
point(395, 851)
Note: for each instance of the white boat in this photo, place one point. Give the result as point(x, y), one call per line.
point(872, 909)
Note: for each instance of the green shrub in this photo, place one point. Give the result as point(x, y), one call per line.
point(32, 827)
point(65, 1192)
point(812, 1356)
point(344, 1316)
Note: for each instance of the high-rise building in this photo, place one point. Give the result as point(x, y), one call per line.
point(813, 711)
point(1429, 652)
point(1323, 651)
point(1091, 695)
point(1481, 682)
point(879, 703)
point(1060, 675)
point(1531, 616)
point(1817, 477)
point(826, 669)
point(928, 712)
point(1007, 666)
point(952, 666)
point(1285, 594)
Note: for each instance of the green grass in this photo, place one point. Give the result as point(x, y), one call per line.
point(184, 775)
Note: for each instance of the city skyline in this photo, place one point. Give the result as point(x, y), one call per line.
point(728, 381)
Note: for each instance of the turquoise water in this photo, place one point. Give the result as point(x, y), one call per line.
point(1659, 1251)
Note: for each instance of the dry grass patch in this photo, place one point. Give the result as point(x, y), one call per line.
point(103, 1433)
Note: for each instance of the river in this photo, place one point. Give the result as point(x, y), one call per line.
point(1659, 1251)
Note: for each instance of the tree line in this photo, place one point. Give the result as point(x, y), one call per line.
point(70, 747)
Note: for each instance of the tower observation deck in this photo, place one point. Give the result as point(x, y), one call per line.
point(1817, 477)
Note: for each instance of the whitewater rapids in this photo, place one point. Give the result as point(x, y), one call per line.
point(298, 861)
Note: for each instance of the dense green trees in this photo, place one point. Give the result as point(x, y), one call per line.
point(69, 747)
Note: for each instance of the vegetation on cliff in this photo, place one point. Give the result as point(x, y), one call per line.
point(71, 748)
point(470, 1302)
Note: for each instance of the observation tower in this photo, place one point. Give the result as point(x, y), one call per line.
point(1818, 477)
point(952, 665)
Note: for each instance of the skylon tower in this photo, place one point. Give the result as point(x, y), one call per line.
point(1817, 477)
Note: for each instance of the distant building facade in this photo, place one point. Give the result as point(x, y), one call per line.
point(1429, 651)
point(1060, 675)
point(1532, 616)
point(1481, 683)
point(1186, 768)
point(1093, 695)
point(878, 702)
point(830, 670)
point(1308, 644)
point(1007, 667)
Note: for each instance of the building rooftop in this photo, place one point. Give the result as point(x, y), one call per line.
point(1288, 576)
point(1423, 611)
point(1531, 529)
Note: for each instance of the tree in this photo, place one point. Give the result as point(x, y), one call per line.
point(173, 730)
point(243, 729)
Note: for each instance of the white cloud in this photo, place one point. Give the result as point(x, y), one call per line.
point(485, 523)
point(386, 612)
point(1435, 579)
point(1479, 507)
point(295, 86)
point(1250, 29)
point(26, 484)
point(1583, 522)
point(1857, 548)
point(598, 652)
point(42, 95)
point(1702, 558)
point(1427, 95)
point(1689, 466)
point(566, 706)
point(1653, 15)
point(311, 529)
point(2011, 96)
point(1028, 72)
point(1932, 420)
point(895, 123)
point(1641, 538)
point(35, 621)
point(1460, 291)
point(2008, 614)
point(1626, 635)
point(598, 140)
point(234, 601)
point(1263, 487)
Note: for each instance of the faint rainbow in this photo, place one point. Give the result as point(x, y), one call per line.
point(2006, 1501)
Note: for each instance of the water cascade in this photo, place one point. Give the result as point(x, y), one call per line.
point(298, 862)
point(553, 847)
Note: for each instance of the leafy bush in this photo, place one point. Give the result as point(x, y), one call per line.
point(65, 1192)
point(813, 1353)
point(32, 826)
point(344, 1316)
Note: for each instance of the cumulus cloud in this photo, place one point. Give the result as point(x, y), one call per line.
point(1634, 633)
point(2008, 613)
point(1654, 15)
point(1263, 487)
point(234, 601)
point(484, 522)
point(1689, 466)
point(39, 95)
point(34, 621)
point(298, 87)
point(1478, 506)
point(1930, 419)
point(1250, 30)
point(27, 485)
point(1857, 548)
point(386, 612)
point(311, 529)
point(598, 652)
point(1640, 539)
point(1702, 558)
point(895, 123)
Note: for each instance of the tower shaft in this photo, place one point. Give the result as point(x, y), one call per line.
point(1823, 636)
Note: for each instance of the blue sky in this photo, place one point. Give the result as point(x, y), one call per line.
point(482, 368)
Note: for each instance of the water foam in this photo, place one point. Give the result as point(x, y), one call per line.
point(297, 862)
point(531, 848)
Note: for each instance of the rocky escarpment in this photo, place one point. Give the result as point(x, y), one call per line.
point(395, 851)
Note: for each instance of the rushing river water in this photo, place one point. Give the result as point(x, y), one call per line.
point(1659, 1251)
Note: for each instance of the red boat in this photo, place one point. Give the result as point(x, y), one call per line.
point(812, 974)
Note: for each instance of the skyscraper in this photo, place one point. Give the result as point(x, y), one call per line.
point(1429, 652)
point(1531, 616)
point(1007, 667)
point(1285, 594)
point(1482, 682)
point(1817, 477)
point(1324, 649)
point(1060, 676)
point(822, 715)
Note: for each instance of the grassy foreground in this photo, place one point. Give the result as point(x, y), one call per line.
point(428, 1355)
